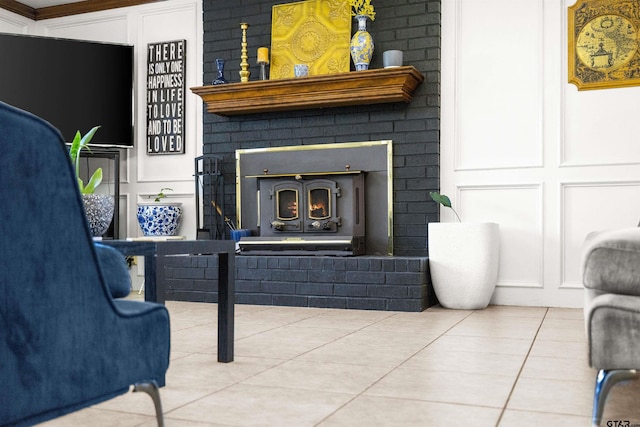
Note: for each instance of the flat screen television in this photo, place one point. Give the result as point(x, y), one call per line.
point(73, 84)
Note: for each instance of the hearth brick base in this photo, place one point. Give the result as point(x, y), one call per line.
point(364, 282)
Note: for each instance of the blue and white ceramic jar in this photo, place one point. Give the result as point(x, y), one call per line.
point(361, 45)
point(159, 218)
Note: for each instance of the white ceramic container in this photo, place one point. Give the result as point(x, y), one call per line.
point(463, 261)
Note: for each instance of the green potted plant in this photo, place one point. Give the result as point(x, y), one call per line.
point(98, 207)
point(160, 217)
point(463, 260)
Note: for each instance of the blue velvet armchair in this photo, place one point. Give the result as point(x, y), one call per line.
point(66, 342)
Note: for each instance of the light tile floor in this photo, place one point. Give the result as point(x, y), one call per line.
point(502, 366)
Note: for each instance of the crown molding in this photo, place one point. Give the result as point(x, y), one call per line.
point(19, 8)
point(68, 9)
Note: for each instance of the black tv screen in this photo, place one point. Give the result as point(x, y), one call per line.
point(72, 84)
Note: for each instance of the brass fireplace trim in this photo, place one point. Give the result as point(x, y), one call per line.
point(336, 146)
point(303, 174)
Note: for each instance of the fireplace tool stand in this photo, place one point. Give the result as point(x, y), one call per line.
point(209, 197)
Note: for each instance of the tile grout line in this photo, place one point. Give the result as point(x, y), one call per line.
point(524, 362)
point(283, 361)
point(390, 370)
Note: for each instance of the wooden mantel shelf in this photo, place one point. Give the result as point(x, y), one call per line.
point(331, 90)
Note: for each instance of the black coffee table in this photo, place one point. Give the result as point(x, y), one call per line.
point(155, 252)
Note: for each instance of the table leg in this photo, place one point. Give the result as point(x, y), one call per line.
point(226, 299)
point(225, 249)
point(152, 291)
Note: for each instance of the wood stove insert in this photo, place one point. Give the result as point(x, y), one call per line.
point(321, 212)
point(310, 199)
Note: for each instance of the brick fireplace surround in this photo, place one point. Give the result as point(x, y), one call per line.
point(399, 282)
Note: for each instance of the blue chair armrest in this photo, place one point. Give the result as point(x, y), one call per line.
point(114, 269)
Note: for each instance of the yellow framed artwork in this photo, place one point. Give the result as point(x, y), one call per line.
point(604, 38)
point(312, 32)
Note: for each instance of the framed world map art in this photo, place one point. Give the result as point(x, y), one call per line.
point(604, 43)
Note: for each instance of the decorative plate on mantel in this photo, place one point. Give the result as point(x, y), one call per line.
point(312, 32)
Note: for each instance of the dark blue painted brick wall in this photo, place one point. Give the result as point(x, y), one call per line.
point(412, 26)
point(371, 283)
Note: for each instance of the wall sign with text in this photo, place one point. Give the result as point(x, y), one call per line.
point(166, 63)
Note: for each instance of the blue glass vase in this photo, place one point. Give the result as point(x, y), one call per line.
point(220, 78)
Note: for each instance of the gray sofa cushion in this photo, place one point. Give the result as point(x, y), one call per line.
point(613, 324)
point(611, 261)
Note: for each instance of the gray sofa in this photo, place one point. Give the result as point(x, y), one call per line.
point(611, 277)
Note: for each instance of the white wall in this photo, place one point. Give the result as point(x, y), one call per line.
point(522, 147)
point(142, 175)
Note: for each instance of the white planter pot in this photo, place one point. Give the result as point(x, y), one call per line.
point(463, 261)
point(159, 218)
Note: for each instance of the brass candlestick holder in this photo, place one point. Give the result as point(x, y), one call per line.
point(244, 65)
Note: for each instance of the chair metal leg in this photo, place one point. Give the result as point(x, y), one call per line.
point(604, 381)
point(152, 390)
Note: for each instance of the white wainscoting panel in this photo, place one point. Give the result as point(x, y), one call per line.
point(499, 91)
point(125, 208)
point(510, 116)
point(518, 209)
point(601, 127)
point(593, 206)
